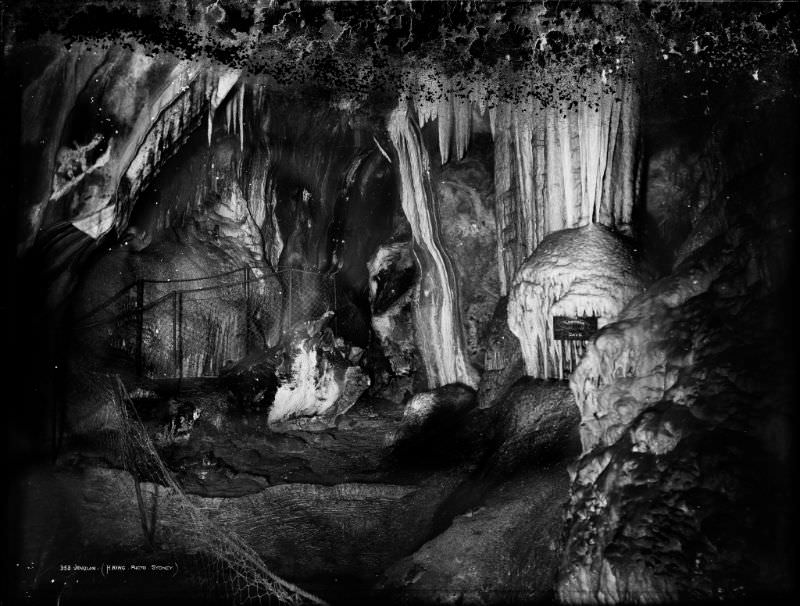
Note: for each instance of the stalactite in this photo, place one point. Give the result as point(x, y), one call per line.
point(277, 245)
point(162, 128)
point(426, 106)
point(524, 171)
point(444, 123)
point(629, 158)
point(453, 114)
point(438, 325)
point(462, 125)
point(503, 186)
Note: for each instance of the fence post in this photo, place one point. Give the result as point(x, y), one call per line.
point(246, 288)
point(139, 325)
point(176, 360)
point(335, 306)
point(179, 340)
point(291, 309)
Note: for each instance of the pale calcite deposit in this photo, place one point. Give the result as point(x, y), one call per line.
point(587, 271)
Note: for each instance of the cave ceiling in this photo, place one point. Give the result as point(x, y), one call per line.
point(360, 57)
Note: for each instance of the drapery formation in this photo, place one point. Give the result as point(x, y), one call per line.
point(138, 127)
point(558, 168)
point(436, 310)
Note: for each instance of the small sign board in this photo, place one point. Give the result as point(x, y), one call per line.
point(574, 329)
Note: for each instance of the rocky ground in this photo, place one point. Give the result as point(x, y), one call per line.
point(392, 503)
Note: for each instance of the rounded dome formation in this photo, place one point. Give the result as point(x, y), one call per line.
point(587, 271)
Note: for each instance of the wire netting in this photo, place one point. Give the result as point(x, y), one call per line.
point(224, 566)
point(196, 327)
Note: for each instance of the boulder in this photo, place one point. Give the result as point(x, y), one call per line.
point(503, 550)
point(434, 429)
point(537, 422)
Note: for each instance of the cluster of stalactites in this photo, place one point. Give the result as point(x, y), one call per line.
point(559, 168)
point(216, 93)
point(437, 99)
point(234, 114)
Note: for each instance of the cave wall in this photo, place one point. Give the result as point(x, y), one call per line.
point(465, 193)
point(681, 491)
point(151, 149)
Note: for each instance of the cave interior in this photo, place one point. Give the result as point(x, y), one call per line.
point(400, 302)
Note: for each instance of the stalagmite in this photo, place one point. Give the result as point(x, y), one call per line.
point(311, 391)
point(436, 308)
point(574, 273)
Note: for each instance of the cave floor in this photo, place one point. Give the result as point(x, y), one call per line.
point(233, 454)
point(325, 509)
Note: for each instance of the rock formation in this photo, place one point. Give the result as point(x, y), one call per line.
point(575, 273)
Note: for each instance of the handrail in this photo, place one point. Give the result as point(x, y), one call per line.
point(276, 270)
point(211, 277)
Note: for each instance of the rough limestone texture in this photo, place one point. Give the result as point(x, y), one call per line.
point(392, 276)
point(301, 531)
point(587, 271)
point(500, 538)
point(466, 214)
point(503, 363)
point(682, 178)
point(537, 422)
point(434, 428)
point(682, 492)
point(504, 551)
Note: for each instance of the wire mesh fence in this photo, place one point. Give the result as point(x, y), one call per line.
point(194, 327)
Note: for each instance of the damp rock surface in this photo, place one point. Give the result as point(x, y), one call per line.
point(503, 363)
point(435, 427)
point(392, 281)
point(537, 422)
point(504, 550)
